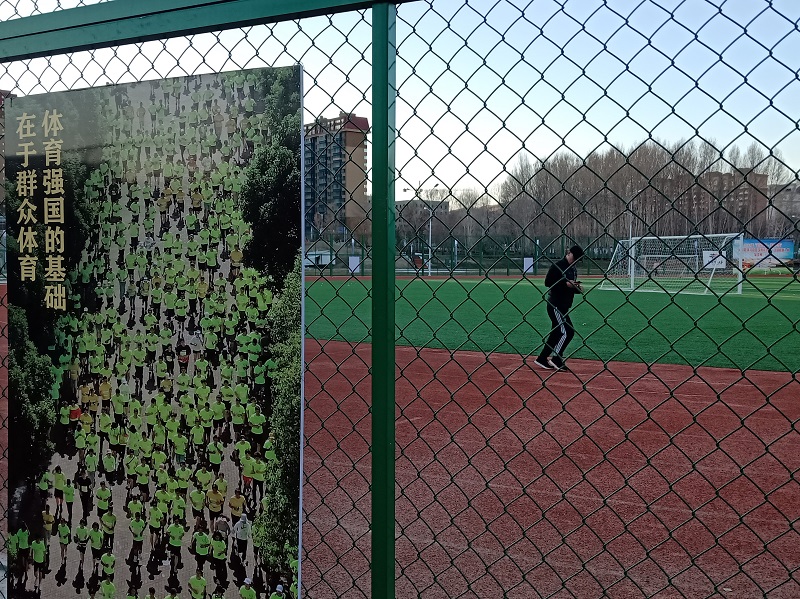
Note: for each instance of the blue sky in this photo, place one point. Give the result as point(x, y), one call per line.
point(577, 74)
point(482, 80)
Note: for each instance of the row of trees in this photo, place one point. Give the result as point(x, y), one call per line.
point(660, 188)
point(270, 203)
point(276, 529)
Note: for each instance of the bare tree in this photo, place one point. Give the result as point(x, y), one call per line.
point(519, 199)
point(464, 216)
point(661, 188)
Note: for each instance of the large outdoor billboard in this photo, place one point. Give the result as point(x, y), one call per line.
point(766, 253)
point(155, 337)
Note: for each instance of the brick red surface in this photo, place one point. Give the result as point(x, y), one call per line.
point(617, 481)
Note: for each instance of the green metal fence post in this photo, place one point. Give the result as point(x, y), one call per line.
point(384, 55)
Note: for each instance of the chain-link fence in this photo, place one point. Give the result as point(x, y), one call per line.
point(662, 138)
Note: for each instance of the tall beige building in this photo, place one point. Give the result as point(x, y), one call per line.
point(336, 203)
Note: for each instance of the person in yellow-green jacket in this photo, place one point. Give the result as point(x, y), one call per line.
point(197, 585)
point(197, 499)
point(137, 526)
point(69, 498)
point(259, 477)
point(91, 462)
point(45, 484)
point(155, 521)
point(81, 541)
point(59, 482)
point(248, 465)
point(219, 558)
point(103, 495)
point(39, 555)
point(96, 543)
point(108, 589)
point(64, 538)
point(109, 459)
point(215, 451)
point(104, 423)
point(246, 591)
point(23, 537)
point(201, 541)
point(175, 535)
point(204, 478)
point(108, 523)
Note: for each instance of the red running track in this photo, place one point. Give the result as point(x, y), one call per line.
point(610, 482)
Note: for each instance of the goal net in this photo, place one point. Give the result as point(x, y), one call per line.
point(677, 264)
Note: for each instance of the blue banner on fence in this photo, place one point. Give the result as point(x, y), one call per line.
point(766, 253)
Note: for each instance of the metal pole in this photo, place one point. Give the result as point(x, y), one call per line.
point(384, 60)
point(430, 240)
point(330, 256)
point(630, 245)
point(740, 274)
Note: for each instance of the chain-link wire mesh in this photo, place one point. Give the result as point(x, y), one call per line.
point(15, 9)
point(4, 420)
point(525, 129)
point(332, 52)
point(662, 462)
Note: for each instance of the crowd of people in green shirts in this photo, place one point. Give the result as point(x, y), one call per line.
point(162, 368)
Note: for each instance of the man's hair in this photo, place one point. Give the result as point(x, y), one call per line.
point(576, 251)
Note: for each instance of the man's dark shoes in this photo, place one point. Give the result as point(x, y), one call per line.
point(558, 364)
point(544, 364)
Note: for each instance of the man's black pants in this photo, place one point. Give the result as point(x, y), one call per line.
point(561, 333)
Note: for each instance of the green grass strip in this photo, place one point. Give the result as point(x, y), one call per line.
point(755, 330)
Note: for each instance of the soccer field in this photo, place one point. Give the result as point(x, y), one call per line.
point(755, 330)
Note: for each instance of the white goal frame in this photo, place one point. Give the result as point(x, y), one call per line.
point(696, 264)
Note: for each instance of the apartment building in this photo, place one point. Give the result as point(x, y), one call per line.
point(337, 206)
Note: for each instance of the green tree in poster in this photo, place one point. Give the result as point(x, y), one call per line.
point(30, 381)
point(270, 202)
point(277, 526)
point(283, 93)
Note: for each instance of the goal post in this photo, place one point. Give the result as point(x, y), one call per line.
point(697, 264)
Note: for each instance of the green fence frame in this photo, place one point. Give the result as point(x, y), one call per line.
point(116, 23)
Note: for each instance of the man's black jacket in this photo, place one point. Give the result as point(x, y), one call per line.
point(556, 279)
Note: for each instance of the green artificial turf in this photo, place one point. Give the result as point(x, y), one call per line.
point(759, 329)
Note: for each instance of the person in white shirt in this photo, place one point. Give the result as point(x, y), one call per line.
point(242, 532)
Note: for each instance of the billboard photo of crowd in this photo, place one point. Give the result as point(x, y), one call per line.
point(155, 328)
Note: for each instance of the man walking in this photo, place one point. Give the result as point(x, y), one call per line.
point(562, 281)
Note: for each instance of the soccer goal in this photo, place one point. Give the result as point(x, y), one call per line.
point(677, 264)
